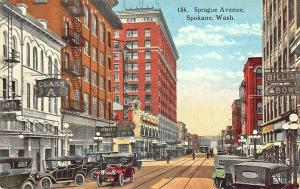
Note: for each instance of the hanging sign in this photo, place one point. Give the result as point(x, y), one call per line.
point(51, 87)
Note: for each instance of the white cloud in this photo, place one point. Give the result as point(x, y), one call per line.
point(209, 56)
point(215, 35)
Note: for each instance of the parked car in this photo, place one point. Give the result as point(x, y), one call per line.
point(119, 168)
point(261, 175)
point(16, 173)
point(63, 170)
point(94, 161)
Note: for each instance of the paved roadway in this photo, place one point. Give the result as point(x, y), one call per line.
point(181, 173)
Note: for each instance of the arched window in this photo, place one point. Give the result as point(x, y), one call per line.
point(14, 44)
point(259, 108)
point(259, 72)
point(86, 17)
point(28, 54)
point(56, 68)
point(101, 32)
point(5, 41)
point(34, 58)
point(94, 24)
point(50, 66)
point(42, 61)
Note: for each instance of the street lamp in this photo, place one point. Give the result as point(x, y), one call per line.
point(291, 133)
point(254, 137)
point(242, 140)
point(98, 139)
point(132, 142)
point(66, 134)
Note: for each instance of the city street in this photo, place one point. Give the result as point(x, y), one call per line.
point(180, 173)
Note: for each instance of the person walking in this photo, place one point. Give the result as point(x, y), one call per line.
point(168, 158)
point(194, 155)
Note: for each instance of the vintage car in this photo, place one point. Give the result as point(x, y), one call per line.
point(261, 175)
point(16, 173)
point(119, 168)
point(94, 161)
point(63, 170)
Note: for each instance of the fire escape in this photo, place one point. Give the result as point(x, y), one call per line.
point(73, 68)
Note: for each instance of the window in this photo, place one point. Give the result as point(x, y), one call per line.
point(40, 1)
point(148, 98)
point(55, 105)
point(148, 77)
point(66, 60)
point(116, 34)
point(102, 82)
point(116, 56)
point(87, 102)
point(66, 29)
point(94, 24)
point(109, 63)
point(116, 44)
point(4, 90)
point(147, 54)
point(50, 66)
point(86, 48)
point(86, 74)
point(148, 109)
point(148, 88)
point(102, 59)
point(147, 66)
point(132, 44)
point(259, 108)
point(147, 43)
point(95, 54)
point(95, 78)
point(13, 89)
point(55, 69)
point(259, 123)
point(131, 33)
point(102, 33)
point(109, 85)
point(34, 59)
point(109, 39)
point(259, 73)
point(131, 66)
point(86, 17)
point(147, 32)
point(123, 148)
point(28, 94)
point(5, 40)
point(102, 108)
point(132, 77)
point(50, 109)
point(132, 55)
point(116, 67)
point(42, 61)
point(117, 88)
point(116, 76)
point(42, 103)
point(28, 54)
point(34, 99)
point(259, 89)
point(95, 106)
point(117, 99)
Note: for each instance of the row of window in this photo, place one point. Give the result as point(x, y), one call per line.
point(95, 54)
point(135, 33)
point(117, 87)
point(95, 79)
point(133, 55)
point(133, 44)
point(96, 103)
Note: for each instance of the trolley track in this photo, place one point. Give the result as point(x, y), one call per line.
point(194, 174)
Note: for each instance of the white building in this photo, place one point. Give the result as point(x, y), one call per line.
point(34, 130)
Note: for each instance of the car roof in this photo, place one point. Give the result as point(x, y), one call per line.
point(119, 155)
point(66, 158)
point(96, 153)
point(14, 159)
point(262, 164)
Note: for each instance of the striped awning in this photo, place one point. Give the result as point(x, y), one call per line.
point(265, 147)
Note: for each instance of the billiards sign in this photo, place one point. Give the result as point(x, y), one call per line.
point(51, 87)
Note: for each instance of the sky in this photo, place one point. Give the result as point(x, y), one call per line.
point(212, 54)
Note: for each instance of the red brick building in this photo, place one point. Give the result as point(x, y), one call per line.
point(253, 94)
point(147, 72)
point(87, 27)
point(236, 118)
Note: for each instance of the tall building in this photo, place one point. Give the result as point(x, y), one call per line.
point(145, 67)
point(236, 119)
point(86, 26)
point(253, 94)
point(29, 125)
point(280, 35)
point(243, 107)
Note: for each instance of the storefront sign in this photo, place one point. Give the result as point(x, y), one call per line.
point(51, 87)
point(267, 129)
point(106, 131)
point(281, 77)
point(282, 90)
point(10, 105)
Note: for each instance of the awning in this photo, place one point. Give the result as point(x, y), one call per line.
point(265, 147)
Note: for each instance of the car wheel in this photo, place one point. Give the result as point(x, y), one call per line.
point(79, 179)
point(121, 179)
point(45, 183)
point(132, 177)
point(99, 181)
point(27, 185)
point(93, 175)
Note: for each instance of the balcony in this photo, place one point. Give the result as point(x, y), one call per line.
point(74, 38)
point(74, 69)
point(74, 7)
point(11, 55)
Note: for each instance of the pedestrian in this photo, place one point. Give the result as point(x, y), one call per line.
point(168, 158)
point(207, 155)
point(194, 155)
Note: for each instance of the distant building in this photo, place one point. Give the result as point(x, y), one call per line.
point(236, 119)
point(243, 107)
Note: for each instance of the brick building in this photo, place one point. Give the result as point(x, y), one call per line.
point(86, 26)
point(145, 67)
point(253, 94)
point(236, 119)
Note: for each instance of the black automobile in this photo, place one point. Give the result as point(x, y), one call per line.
point(16, 173)
point(63, 170)
point(94, 161)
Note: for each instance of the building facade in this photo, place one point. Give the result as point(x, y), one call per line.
point(87, 27)
point(253, 94)
point(31, 52)
point(236, 119)
point(145, 67)
point(243, 107)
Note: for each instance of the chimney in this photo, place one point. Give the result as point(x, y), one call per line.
point(23, 7)
point(44, 22)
